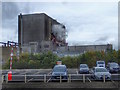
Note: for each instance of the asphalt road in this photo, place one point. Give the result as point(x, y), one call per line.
point(37, 71)
point(27, 71)
point(62, 85)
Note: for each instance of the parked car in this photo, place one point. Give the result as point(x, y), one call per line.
point(113, 67)
point(100, 63)
point(98, 73)
point(83, 69)
point(59, 70)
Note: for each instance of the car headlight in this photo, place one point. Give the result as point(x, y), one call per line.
point(111, 68)
point(98, 75)
point(65, 73)
point(81, 69)
point(53, 73)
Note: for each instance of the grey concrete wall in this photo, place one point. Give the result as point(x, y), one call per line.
point(46, 46)
point(78, 50)
point(32, 28)
point(35, 27)
point(82, 49)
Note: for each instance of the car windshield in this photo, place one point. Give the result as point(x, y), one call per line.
point(113, 64)
point(100, 62)
point(101, 70)
point(59, 69)
point(83, 66)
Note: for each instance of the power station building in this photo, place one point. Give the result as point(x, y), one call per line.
point(78, 50)
point(40, 33)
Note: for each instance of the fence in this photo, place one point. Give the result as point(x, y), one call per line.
point(47, 78)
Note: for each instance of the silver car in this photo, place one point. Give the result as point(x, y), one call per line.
point(84, 69)
point(113, 67)
point(98, 73)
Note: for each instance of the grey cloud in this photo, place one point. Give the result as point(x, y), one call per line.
point(9, 15)
point(9, 10)
point(77, 43)
point(76, 17)
point(102, 39)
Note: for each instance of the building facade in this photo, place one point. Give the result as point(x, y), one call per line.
point(39, 32)
point(78, 50)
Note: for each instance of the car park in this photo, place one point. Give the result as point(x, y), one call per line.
point(59, 71)
point(113, 67)
point(99, 73)
point(100, 63)
point(83, 69)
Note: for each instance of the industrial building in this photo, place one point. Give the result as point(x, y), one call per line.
point(78, 50)
point(39, 33)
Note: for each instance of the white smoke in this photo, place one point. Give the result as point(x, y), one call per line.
point(59, 32)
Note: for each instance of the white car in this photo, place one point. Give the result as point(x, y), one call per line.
point(100, 63)
point(98, 73)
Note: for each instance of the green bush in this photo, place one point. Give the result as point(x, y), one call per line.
point(48, 60)
point(30, 61)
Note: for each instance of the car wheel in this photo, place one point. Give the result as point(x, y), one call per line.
point(92, 76)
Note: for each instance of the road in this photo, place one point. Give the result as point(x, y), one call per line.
point(61, 85)
point(37, 71)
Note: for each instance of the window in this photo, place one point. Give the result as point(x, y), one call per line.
point(46, 46)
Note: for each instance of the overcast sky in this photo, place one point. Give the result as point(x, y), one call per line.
point(87, 23)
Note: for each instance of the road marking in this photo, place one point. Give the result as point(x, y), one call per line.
point(49, 73)
point(37, 72)
point(30, 79)
point(48, 80)
point(88, 79)
point(113, 81)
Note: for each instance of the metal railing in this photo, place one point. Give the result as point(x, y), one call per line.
point(47, 78)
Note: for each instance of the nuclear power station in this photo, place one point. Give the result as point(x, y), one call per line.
point(40, 33)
